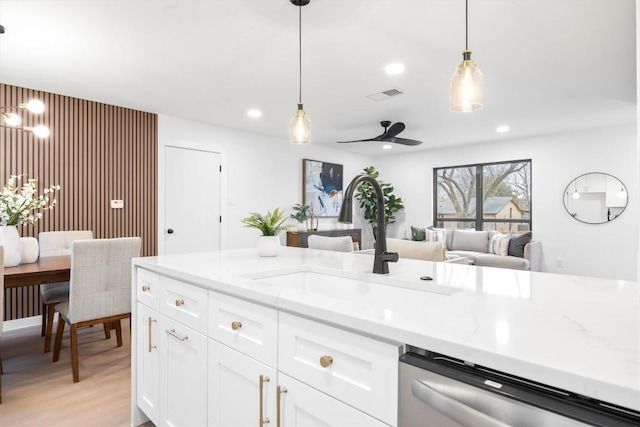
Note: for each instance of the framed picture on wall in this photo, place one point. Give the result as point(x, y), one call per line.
point(322, 187)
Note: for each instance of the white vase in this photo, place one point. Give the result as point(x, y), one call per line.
point(268, 245)
point(10, 239)
point(29, 250)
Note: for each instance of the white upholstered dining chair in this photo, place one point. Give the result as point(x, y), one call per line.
point(99, 291)
point(338, 244)
point(55, 243)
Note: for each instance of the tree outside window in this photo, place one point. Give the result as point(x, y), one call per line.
point(489, 196)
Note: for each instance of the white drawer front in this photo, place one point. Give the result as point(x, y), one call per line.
point(250, 328)
point(361, 372)
point(185, 303)
point(305, 406)
point(148, 288)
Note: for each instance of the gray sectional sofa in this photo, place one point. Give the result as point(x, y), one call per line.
point(523, 253)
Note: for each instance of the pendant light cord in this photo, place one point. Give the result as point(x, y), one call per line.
point(300, 53)
point(466, 25)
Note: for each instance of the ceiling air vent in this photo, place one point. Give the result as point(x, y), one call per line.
point(386, 94)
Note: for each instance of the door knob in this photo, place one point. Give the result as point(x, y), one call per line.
point(170, 231)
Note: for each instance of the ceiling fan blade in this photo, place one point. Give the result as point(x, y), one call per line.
point(358, 140)
point(395, 129)
point(405, 141)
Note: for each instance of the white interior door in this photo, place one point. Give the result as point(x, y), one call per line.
point(192, 201)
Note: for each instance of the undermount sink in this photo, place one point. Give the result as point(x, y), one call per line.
point(344, 283)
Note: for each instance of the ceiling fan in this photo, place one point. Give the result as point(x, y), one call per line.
point(389, 135)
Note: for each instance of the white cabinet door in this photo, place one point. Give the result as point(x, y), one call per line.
point(183, 375)
point(239, 387)
point(148, 362)
point(304, 406)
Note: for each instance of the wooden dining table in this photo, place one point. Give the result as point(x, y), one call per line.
point(45, 270)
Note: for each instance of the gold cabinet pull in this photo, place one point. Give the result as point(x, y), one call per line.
point(151, 346)
point(236, 325)
point(173, 333)
point(263, 420)
point(146, 288)
point(179, 302)
point(326, 361)
point(279, 392)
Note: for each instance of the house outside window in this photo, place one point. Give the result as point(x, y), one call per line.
point(485, 196)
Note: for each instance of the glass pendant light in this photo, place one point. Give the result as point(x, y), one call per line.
point(300, 125)
point(576, 195)
point(466, 82)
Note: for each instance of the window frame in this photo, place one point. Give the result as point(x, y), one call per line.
point(479, 219)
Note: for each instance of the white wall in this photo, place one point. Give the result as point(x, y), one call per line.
point(605, 250)
point(260, 173)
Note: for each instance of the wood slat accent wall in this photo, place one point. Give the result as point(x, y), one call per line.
point(96, 153)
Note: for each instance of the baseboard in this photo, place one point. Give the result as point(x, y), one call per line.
point(25, 322)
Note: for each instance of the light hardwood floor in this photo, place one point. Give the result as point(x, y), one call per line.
point(37, 392)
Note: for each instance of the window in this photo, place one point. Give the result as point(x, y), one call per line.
point(488, 196)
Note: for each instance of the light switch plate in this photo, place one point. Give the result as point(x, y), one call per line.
point(117, 204)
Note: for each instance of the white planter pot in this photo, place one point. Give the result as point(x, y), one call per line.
point(10, 239)
point(268, 245)
point(29, 250)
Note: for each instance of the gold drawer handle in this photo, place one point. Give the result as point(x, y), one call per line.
point(236, 325)
point(326, 361)
point(279, 392)
point(173, 333)
point(263, 379)
point(151, 346)
point(179, 302)
point(146, 288)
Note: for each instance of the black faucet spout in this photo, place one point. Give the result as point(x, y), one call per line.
point(382, 257)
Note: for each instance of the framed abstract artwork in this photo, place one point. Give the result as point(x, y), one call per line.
point(322, 187)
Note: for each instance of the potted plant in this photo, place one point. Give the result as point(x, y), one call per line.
point(366, 197)
point(301, 214)
point(270, 225)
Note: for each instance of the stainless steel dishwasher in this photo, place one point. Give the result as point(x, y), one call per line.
point(440, 391)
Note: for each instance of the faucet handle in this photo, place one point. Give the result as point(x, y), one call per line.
point(390, 256)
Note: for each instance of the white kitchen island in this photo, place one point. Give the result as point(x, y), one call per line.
point(574, 333)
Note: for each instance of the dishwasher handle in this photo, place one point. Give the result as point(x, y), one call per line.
point(451, 407)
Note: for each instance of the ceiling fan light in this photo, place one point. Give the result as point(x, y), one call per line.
point(300, 127)
point(466, 86)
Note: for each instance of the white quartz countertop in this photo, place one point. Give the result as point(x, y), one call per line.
point(576, 333)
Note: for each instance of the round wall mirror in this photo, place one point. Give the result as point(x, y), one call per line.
point(595, 198)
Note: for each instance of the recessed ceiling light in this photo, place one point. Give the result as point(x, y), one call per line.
point(386, 147)
point(396, 68)
point(254, 113)
point(502, 129)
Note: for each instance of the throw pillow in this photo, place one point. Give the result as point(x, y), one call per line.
point(517, 244)
point(418, 234)
point(494, 243)
point(499, 244)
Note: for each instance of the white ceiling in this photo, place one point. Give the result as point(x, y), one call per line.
point(549, 65)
